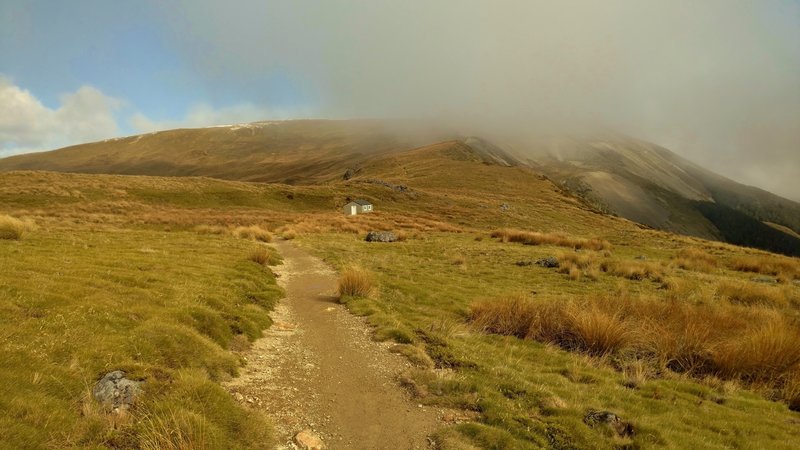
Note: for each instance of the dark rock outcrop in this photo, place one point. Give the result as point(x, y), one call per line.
point(349, 173)
point(394, 187)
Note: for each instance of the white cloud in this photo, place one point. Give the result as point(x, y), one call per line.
point(204, 115)
point(27, 125)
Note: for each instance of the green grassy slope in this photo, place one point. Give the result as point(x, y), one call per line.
point(116, 264)
point(164, 307)
point(529, 395)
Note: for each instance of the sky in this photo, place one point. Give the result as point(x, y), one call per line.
point(716, 81)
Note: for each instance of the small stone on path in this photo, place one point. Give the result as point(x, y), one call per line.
point(307, 440)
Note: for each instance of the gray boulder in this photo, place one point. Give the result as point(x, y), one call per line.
point(594, 418)
point(549, 262)
point(117, 391)
point(381, 236)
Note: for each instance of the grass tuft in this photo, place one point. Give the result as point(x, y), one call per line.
point(510, 316)
point(760, 354)
point(253, 232)
point(595, 331)
point(355, 282)
point(265, 256)
point(749, 293)
point(557, 239)
point(634, 270)
point(695, 259)
point(729, 341)
point(768, 265)
point(12, 228)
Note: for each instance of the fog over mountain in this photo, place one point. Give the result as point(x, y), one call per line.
point(716, 81)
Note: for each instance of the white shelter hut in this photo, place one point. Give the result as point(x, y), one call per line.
point(357, 207)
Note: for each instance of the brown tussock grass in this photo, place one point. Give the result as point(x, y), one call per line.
point(260, 256)
point(785, 267)
point(695, 259)
point(571, 326)
point(760, 354)
point(575, 274)
point(595, 331)
point(355, 282)
point(12, 228)
point(289, 234)
point(557, 239)
point(749, 293)
point(791, 391)
point(211, 229)
point(733, 342)
point(253, 232)
point(509, 316)
point(634, 270)
point(363, 223)
point(579, 265)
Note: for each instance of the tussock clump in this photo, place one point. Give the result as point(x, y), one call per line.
point(748, 344)
point(582, 260)
point(510, 316)
point(569, 325)
point(575, 274)
point(355, 282)
point(748, 293)
point(634, 270)
point(264, 256)
point(768, 265)
point(695, 259)
point(558, 239)
point(577, 265)
point(253, 232)
point(211, 229)
point(287, 232)
point(760, 354)
point(172, 430)
point(12, 228)
point(595, 331)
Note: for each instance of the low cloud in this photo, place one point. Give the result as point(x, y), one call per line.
point(28, 125)
point(716, 81)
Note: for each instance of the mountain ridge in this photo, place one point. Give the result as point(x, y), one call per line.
point(616, 174)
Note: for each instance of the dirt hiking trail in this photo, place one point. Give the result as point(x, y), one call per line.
point(317, 368)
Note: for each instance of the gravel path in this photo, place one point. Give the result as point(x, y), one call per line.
point(318, 369)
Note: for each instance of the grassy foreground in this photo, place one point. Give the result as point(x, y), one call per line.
point(162, 277)
point(165, 307)
point(529, 393)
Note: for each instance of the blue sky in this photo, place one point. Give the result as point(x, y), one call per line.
point(127, 51)
point(717, 81)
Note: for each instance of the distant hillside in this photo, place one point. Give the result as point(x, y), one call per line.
point(292, 152)
point(651, 185)
point(614, 173)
